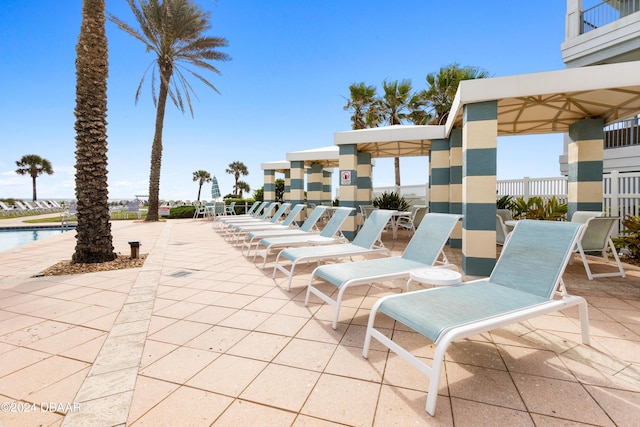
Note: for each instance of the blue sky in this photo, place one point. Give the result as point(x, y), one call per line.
point(284, 89)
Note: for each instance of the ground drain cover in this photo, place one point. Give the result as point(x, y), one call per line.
point(181, 273)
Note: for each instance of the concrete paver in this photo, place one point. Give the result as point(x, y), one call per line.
point(200, 335)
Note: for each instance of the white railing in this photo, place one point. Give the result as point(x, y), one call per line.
point(527, 187)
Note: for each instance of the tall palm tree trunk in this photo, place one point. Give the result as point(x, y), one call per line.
point(94, 242)
point(396, 164)
point(33, 181)
point(156, 150)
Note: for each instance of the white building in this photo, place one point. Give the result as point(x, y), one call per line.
point(605, 32)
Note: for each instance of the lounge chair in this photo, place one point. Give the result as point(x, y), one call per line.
point(597, 239)
point(526, 282)
point(366, 243)
point(502, 229)
point(425, 249)
point(255, 212)
point(412, 222)
point(231, 209)
point(268, 220)
point(8, 210)
point(273, 224)
point(308, 227)
point(330, 234)
point(260, 215)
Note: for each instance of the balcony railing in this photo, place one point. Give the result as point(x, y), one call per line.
point(607, 12)
point(622, 134)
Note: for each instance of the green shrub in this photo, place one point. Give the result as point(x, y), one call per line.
point(392, 201)
point(537, 208)
point(182, 212)
point(505, 202)
point(630, 237)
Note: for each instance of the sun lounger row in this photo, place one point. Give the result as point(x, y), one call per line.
point(30, 208)
point(526, 281)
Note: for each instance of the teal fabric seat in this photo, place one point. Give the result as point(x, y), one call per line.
point(234, 221)
point(273, 224)
point(309, 226)
point(366, 243)
point(234, 231)
point(526, 282)
point(253, 213)
point(330, 233)
point(425, 249)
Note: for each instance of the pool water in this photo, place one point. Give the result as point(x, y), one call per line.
point(10, 239)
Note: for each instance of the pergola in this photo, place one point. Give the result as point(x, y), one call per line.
point(462, 153)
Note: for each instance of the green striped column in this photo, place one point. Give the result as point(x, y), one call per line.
point(348, 163)
point(297, 183)
point(439, 176)
point(585, 156)
point(364, 194)
point(455, 184)
point(269, 185)
point(479, 145)
point(327, 186)
point(314, 184)
point(287, 186)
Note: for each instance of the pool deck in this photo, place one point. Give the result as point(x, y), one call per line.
point(201, 336)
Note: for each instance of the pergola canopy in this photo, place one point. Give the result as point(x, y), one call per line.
point(549, 102)
point(326, 156)
point(392, 141)
point(279, 166)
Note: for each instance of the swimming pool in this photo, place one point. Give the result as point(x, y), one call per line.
point(14, 237)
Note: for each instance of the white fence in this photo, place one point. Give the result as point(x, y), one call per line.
point(621, 191)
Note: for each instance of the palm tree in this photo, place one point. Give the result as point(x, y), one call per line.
point(363, 105)
point(34, 166)
point(201, 176)
point(442, 87)
point(394, 106)
point(236, 169)
point(94, 242)
point(243, 186)
point(174, 31)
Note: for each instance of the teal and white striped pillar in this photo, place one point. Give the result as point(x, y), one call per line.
point(269, 185)
point(455, 184)
point(364, 193)
point(327, 186)
point(585, 156)
point(297, 183)
point(314, 184)
point(479, 146)
point(348, 163)
point(287, 185)
point(439, 176)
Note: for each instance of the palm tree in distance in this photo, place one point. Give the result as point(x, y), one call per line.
point(442, 87)
point(243, 186)
point(237, 169)
point(201, 176)
point(363, 105)
point(34, 166)
point(394, 108)
point(174, 31)
point(94, 242)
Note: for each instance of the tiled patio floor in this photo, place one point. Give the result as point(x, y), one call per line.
point(201, 336)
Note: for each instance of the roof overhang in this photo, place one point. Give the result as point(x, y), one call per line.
point(392, 141)
point(550, 102)
point(280, 166)
point(328, 157)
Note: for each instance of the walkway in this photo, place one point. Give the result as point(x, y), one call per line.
point(201, 336)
